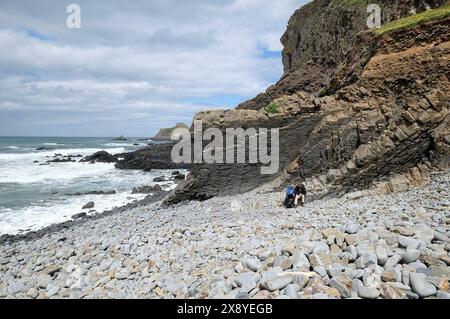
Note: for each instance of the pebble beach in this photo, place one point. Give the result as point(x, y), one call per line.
point(393, 246)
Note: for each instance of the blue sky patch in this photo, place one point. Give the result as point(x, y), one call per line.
point(40, 36)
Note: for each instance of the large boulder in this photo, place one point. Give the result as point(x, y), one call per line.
point(100, 157)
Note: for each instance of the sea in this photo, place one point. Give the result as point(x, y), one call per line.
point(33, 196)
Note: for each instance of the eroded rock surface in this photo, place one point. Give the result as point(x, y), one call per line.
point(385, 131)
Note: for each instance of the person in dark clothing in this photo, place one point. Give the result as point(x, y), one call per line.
point(300, 194)
point(290, 197)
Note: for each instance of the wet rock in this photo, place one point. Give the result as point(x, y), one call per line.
point(100, 157)
point(88, 205)
point(146, 189)
point(78, 216)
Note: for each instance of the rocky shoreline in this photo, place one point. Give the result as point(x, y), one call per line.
point(245, 246)
point(33, 235)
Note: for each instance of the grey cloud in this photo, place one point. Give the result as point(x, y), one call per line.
point(138, 63)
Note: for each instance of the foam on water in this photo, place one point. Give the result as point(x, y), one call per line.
point(54, 144)
point(41, 213)
point(38, 216)
point(123, 144)
point(19, 168)
point(34, 196)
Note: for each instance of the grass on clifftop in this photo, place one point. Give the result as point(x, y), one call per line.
point(423, 17)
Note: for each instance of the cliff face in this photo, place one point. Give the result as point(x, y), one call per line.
point(322, 51)
point(387, 127)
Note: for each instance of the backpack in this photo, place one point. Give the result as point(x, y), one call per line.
point(290, 191)
point(289, 202)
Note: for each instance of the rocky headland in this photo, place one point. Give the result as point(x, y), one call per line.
point(165, 134)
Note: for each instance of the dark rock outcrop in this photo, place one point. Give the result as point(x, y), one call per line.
point(388, 126)
point(92, 193)
point(43, 148)
point(78, 216)
point(100, 157)
point(61, 160)
point(157, 156)
point(179, 176)
point(89, 205)
point(147, 189)
point(120, 138)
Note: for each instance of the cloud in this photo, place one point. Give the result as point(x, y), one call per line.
point(133, 66)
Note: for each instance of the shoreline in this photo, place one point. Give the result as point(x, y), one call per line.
point(245, 246)
point(54, 228)
point(43, 218)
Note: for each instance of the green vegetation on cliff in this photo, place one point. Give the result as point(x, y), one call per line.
point(426, 16)
point(271, 108)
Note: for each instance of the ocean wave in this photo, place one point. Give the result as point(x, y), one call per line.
point(117, 144)
point(76, 177)
point(38, 216)
point(53, 144)
point(35, 155)
point(55, 172)
point(11, 147)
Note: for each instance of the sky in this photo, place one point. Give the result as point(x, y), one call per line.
point(133, 66)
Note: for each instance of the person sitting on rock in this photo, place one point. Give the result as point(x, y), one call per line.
point(290, 197)
point(300, 194)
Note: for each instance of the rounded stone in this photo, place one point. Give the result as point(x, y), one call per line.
point(368, 293)
point(410, 255)
point(420, 286)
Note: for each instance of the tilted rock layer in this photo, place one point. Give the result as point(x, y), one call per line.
point(387, 128)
